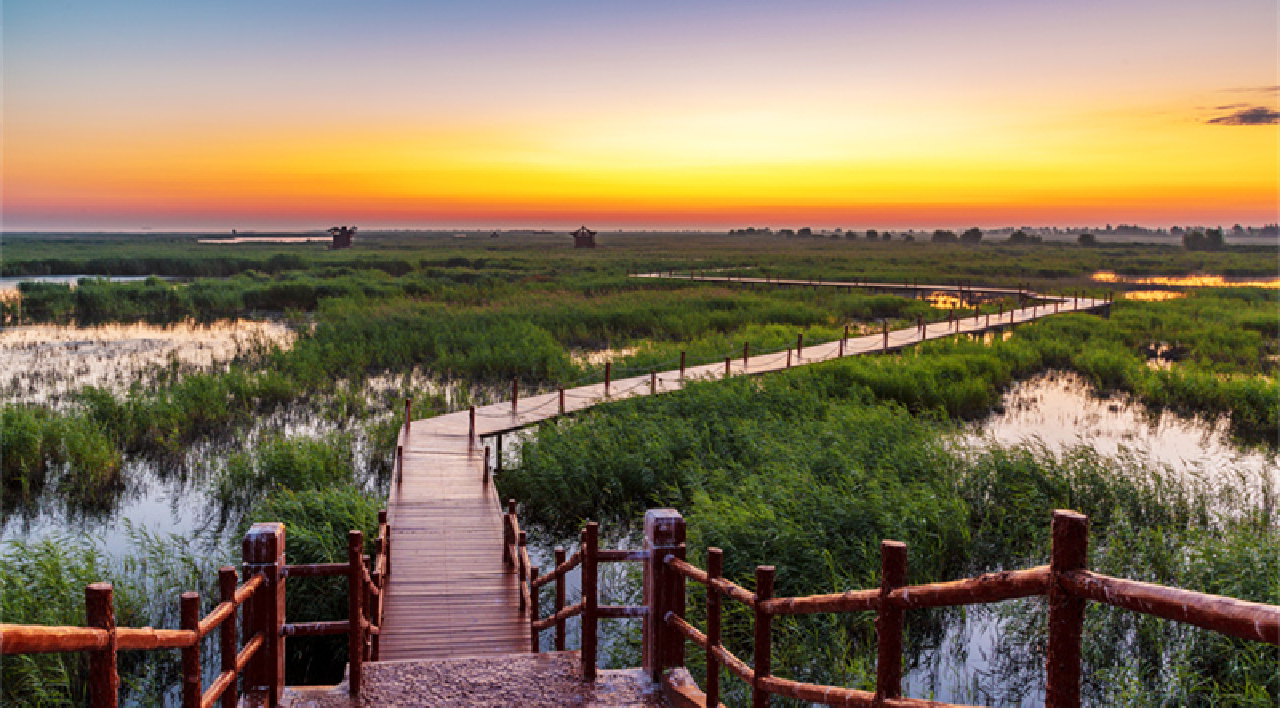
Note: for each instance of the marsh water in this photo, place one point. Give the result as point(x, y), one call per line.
point(1056, 410)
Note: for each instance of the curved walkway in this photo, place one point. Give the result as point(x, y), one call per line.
point(449, 594)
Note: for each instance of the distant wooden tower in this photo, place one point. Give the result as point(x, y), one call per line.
point(584, 238)
point(342, 236)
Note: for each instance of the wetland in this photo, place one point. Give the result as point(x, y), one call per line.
point(148, 422)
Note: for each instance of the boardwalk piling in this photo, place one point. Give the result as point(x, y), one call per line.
point(560, 633)
point(104, 680)
point(893, 574)
point(355, 615)
point(590, 600)
point(763, 663)
point(1070, 552)
point(189, 619)
point(714, 564)
point(227, 634)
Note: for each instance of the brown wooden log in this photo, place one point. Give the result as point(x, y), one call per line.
point(263, 553)
point(560, 561)
point(1236, 618)
point(674, 603)
point(561, 568)
point(316, 629)
point(535, 611)
point(837, 696)
point(317, 570)
point(736, 666)
point(634, 555)
point(1066, 612)
point(408, 414)
point(851, 601)
point(189, 611)
point(100, 613)
point(39, 639)
point(558, 619)
point(561, 400)
point(986, 588)
point(726, 367)
point(227, 638)
point(714, 568)
point(681, 366)
point(522, 569)
point(893, 573)
point(608, 376)
point(355, 611)
point(763, 662)
point(590, 600)
point(148, 638)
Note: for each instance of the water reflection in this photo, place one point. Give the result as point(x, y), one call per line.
point(45, 363)
point(1187, 281)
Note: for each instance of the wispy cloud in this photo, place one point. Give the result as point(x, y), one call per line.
point(1254, 89)
point(1252, 115)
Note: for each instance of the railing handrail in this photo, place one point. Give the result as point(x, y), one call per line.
point(367, 575)
point(1237, 618)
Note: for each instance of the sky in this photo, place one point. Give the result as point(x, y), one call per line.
point(264, 115)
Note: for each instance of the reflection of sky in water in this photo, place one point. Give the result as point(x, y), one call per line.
point(42, 363)
point(1152, 295)
point(1187, 281)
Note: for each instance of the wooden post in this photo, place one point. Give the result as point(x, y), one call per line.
point(714, 569)
point(673, 598)
point(746, 353)
point(682, 366)
point(227, 634)
point(355, 611)
point(189, 619)
point(559, 559)
point(886, 335)
point(515, 393)
point(473, 422)
point(534, 610)
point(408, 414)
point(497, 456)
point(104, 681)
point(485, 479)
point(799, 346)
point(664, 532)
point(562, 400)
point(1055, 306)
point(399, 464)
point(726, 367)
point(1066, 612)
point(608, 374)
point(840, 350)
point(788, 357)
point(590, 600)
point(262, 551)
point(988, 319)
point(653, 381)
point(522, 545)
point(763, 663)
point(508, 540)
point(893, 574)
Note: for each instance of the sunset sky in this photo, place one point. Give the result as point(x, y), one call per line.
point(884, 114)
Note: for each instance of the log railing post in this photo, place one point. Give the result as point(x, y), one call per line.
point(559, 559)
point(473, 422)
point(508, 536)
point(1066, 612)
point(485, 477)
point(408, 414)
point(515, 394)
point(673, 652)
point(788, 357)
point(562, 400)
point(608, 375)
point(189, 619)
point(799, 346)
point(682, 366)
point(104, 680)
point(714, 569)
point(653, 381)
point(726, 367)
point(522, 543)
point(886, 335)
point(893, 574)
point(355, 612)
point(746, 353)
point(263, 552)
point(590, 600)
point(763, 659)
point(227, 581)
point(664, 532)
point(535, 609)
point(399, 464)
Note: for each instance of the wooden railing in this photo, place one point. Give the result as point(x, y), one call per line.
point(260, 657)
point(589, 557)
point(1065, 581)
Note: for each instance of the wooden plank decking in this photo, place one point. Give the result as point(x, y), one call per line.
point(449, 594)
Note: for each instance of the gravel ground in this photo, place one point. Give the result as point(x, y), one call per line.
point(552, 680)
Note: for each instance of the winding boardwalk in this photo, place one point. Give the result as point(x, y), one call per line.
point(449, 594)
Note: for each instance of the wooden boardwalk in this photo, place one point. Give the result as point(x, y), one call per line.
point(449, 593)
